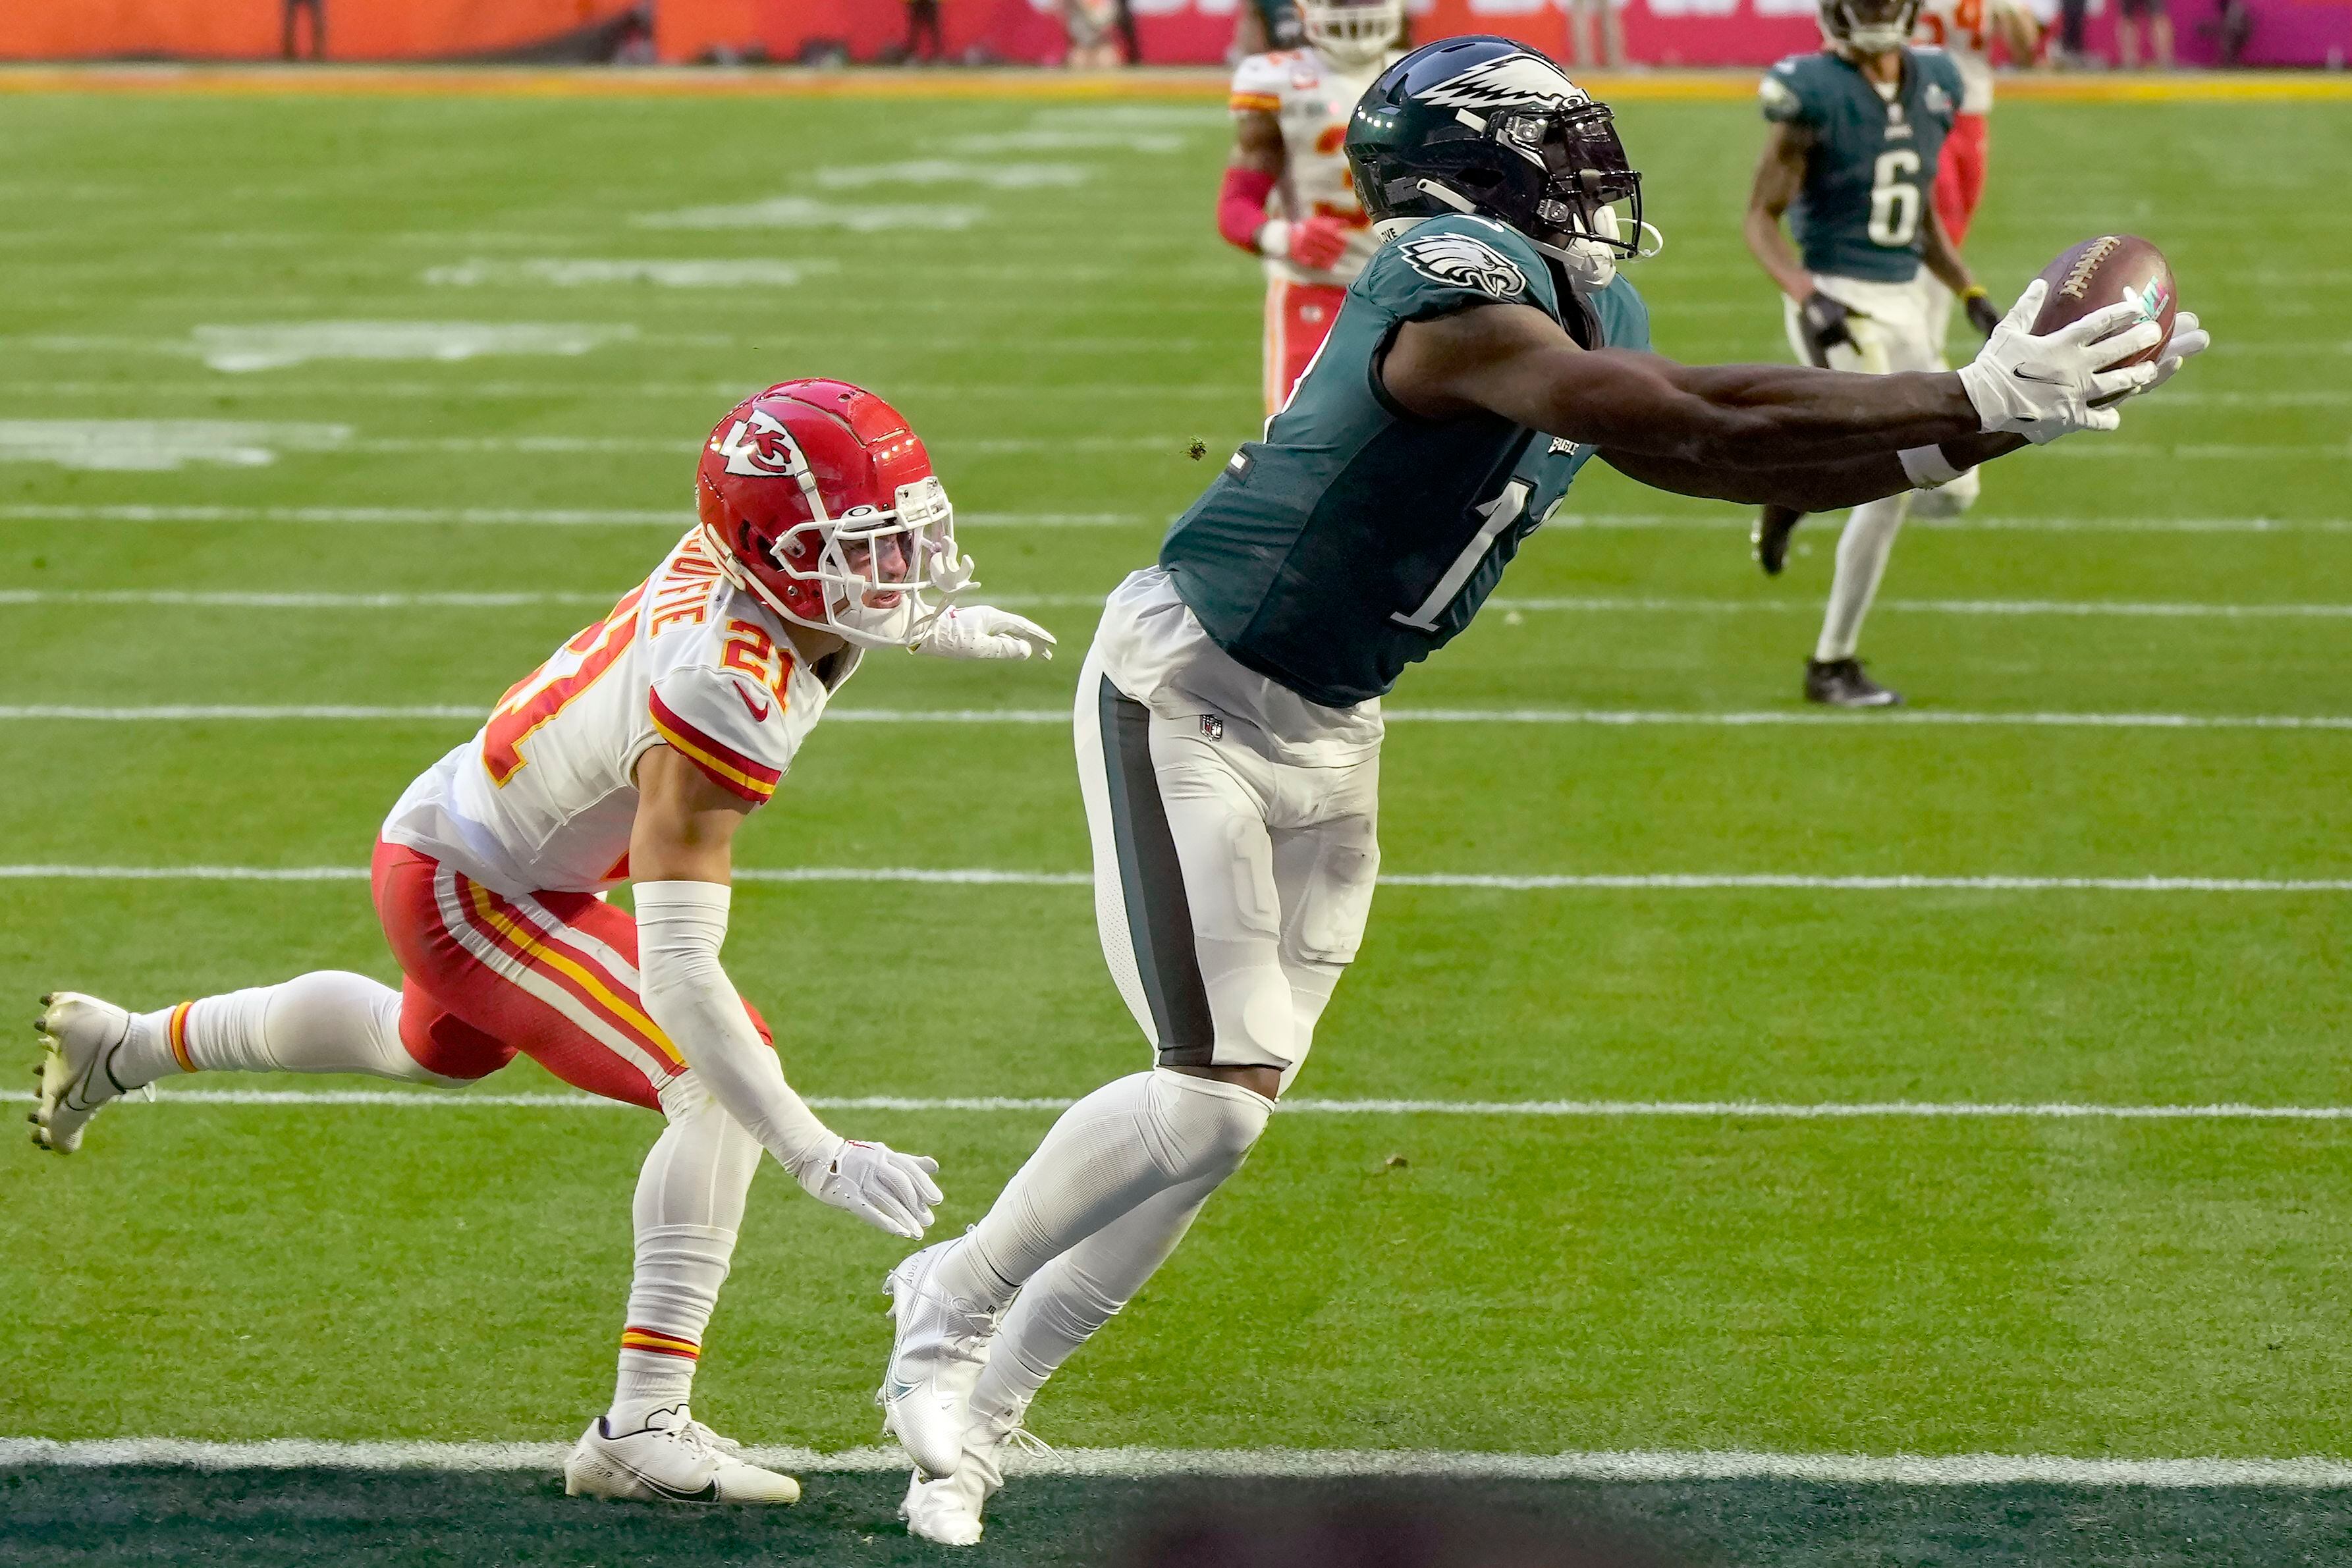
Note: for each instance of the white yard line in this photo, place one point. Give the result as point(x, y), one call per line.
point(2306, 1474)
point(371, 516)
point(486, 517)
point(1594, 604)
point(272, 712)
point(225, 598)
point(1678, 605)
point(566, 517)
point(1756, 1110)
point(1243, 396)
point(1603, 717)
point(983, 446)
point(1490, 882)
point(1973, 522)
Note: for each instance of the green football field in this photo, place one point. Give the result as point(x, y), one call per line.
point(316, 433)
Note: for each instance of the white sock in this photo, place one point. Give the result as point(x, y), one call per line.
point(1862, 553)
point(690, 1205)
point(330, 1022)
point(1118, 1149)
point(1071, 1297)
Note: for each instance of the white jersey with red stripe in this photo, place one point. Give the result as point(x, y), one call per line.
point(1963, 29)
point(1312, 98)
point(543, 797)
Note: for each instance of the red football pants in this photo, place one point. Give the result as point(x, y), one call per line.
point(1299, 317)
point(1960, 176)
point(552, 976)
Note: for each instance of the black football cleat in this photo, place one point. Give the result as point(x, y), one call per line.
point(1840, 683)
point(1770, 537)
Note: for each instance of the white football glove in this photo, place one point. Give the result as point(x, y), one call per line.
point(2043, 388)
point(2188, 341)
point(889, 1190)
point(950, 574)
point(984, 631)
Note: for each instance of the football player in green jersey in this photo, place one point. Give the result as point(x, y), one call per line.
point(1857, 128)
point(1228, 716)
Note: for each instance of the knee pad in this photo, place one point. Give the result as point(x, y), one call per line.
point(1210, 1124)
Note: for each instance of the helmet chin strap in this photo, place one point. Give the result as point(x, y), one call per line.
point(1590, 265)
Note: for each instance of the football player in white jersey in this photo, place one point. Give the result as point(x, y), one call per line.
point(1966, 30)
point(1287, 196)
point(631, 756)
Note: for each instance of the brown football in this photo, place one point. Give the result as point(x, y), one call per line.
point(2108, 271)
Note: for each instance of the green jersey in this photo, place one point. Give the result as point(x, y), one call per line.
point(1873, 160)
point(1357, 537)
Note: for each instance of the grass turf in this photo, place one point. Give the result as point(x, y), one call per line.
point(2091, 1289)
point(238, 1518)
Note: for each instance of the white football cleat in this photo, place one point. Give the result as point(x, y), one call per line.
point(940, 1346)
point(948, 1510)
point(672, 1458)
point(80, 1036)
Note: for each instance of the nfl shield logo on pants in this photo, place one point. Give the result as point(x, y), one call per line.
point(1212, 726)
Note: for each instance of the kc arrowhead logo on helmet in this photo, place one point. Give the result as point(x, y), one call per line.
point(758, 444)
point(822, 504)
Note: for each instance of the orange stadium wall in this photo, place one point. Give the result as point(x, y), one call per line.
point(252, 29)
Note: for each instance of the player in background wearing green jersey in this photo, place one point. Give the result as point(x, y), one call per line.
point(1857, 129)
point(1228, 717)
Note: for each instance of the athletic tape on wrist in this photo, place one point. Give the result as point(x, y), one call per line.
point(1927, 467)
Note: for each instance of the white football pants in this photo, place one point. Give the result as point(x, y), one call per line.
point(1900, 329)
point(1231, 888)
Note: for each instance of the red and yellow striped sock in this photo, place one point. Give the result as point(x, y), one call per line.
point(175, 1034)
point(659, 1344)
point(656, 1373)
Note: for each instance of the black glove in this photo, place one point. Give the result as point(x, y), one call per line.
point(1824, 321)
point(1983, 314)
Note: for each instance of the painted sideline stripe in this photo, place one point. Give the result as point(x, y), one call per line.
point(2311, 1473)
point(1487, 881)
point(1619, 717)
point(1015, 84)
point(1760, 1110)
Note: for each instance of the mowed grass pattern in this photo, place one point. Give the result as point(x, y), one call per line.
point(2171, 1289)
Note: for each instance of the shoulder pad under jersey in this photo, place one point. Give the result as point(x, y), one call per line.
point(1258, 82)
point(1791, 91)
point(720, 704)
point(1444, 264)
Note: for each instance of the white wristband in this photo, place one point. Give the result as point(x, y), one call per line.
point(1927, 467)
point(1274, 239)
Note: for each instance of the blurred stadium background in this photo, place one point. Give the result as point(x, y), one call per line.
point(2303, 33)
point(330, 401)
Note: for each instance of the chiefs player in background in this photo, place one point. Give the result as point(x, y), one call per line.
point(631, 756)
point(1966, 30)
point(1287, 195)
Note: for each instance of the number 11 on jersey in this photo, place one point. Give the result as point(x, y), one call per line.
point(1499, 514)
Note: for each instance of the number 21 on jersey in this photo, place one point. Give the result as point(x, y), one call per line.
point(547, 691)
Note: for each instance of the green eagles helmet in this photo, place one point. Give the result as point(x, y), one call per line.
point(1487, 126)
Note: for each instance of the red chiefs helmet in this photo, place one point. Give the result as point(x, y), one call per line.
point(822, 501)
